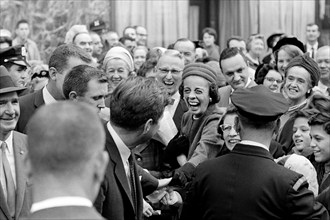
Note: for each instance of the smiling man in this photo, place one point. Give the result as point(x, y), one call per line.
point(15, 197)
point(234, 67)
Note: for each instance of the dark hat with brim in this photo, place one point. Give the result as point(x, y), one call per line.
point(6, 83)
point(289, 41)
point(259, 103)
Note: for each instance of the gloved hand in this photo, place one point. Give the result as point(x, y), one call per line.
point(177, 146)
point(182, 175)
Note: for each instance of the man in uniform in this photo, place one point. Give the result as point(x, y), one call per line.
point(14, 59)
point(247, 183)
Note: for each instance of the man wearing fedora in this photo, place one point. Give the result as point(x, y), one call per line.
point(15, 192)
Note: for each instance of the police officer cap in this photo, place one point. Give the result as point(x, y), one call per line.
point(15, 54)
point(97, 25)
point(259, 103)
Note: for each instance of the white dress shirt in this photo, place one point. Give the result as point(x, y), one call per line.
point(10, 155)
point(172, 108)
point(60, 202)
point(312, 49)
point(48, 98)
point(253, 143)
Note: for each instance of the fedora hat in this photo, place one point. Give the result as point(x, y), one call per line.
point(6, 83)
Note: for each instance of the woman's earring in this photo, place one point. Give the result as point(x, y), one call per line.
point(210, 99)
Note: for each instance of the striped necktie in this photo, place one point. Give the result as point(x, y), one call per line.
point(8, 183)
point(132, 181)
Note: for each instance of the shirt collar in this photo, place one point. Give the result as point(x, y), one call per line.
point(124, 151)
point(309, 47)
point(60, 202)
point(48, 98)
point(253, 143)
point(9, 142)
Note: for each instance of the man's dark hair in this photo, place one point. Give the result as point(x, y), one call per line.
point(22, 21)
point(59, 58)
point(125, 38)
point(77, 79)
point(231, 52)
point(136, 100)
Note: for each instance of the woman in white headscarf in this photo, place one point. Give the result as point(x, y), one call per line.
point(118, 65)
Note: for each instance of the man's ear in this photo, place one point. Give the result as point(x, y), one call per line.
point(73, 96)
point(147, 126)
point(277, 126)
point(52, 73)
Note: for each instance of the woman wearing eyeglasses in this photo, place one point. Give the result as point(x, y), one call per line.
point(268, 76)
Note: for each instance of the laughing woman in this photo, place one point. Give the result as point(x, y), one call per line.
point(199, 124)
point(301, 75)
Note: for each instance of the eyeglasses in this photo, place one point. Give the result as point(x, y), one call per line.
point(272, 80)
point(166, 71)
point(226, 127)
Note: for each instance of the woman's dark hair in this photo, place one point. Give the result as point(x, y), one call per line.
point(261, 72)
point(321, 104)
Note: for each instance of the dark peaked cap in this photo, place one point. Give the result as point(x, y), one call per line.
point(259, 103)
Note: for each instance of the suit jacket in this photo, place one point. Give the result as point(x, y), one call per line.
point(28, 105)
point(114, 200)
point(225, 93)
point(23, 186)
point(248, 184)
point(66, 212)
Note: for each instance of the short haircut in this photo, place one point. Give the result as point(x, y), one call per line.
point(59, 58)
point(262, 71)
point(184, 40)
point(312, 24)
point(136, 100)
point(231, 52)
point(304, 113)
point(252, 38)
point(22, 21)
point(291, 50)
point(63, 137)
point(171, 53)
point(77, 79)
point(140, 47)
point(210, 31)
point(125, 38)
point(322, 119)
point(128, 27)
point(238, 38)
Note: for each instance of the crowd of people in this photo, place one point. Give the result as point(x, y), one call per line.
point(112, 129)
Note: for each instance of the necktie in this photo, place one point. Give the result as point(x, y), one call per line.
point(313, 52)
point(328, 90)
point(9, 181)
point(132, 181)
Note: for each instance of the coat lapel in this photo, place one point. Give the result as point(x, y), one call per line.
point(38, 99)
point(118, 166)
point(21, 178)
